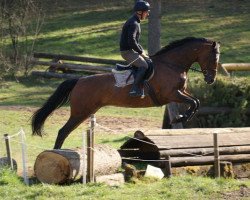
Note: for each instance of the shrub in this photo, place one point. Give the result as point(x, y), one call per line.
point(225, 92)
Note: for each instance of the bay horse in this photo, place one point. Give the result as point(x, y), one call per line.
point(88, 94)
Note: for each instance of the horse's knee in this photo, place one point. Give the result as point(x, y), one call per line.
point(197, 103)
point(193, 104)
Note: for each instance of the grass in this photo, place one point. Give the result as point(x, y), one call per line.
point(176, 188)
point(95, 30)
point(89, 32)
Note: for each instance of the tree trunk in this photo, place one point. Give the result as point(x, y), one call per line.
point(63, 166)
point(154, 27)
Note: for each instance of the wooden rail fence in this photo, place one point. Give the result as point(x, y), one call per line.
point(56, 63)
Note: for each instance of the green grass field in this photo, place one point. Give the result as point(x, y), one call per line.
point(96, 32)
point(92, 28)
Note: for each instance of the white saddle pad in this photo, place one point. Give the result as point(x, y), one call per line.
point(123, 78)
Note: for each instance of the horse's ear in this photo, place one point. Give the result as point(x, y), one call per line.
point(214, 44)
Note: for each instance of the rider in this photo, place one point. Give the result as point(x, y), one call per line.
point(130, 48)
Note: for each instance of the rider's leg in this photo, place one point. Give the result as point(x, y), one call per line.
point(142, 65)
point(136, 90)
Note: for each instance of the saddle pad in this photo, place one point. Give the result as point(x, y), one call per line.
point(123, 78)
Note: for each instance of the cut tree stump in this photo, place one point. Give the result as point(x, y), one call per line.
point(64, 166)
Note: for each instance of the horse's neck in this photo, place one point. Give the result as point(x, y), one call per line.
point(181, 58)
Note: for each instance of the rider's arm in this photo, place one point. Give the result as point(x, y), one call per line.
point(132, 31)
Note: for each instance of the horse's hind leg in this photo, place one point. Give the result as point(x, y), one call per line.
point(70, 125)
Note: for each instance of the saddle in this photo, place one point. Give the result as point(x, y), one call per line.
point(125, 75)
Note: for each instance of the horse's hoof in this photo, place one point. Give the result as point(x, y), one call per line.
point(179, 119)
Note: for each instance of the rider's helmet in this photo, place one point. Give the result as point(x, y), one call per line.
point(141, 6)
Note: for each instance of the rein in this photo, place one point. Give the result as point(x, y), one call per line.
point(196, 70)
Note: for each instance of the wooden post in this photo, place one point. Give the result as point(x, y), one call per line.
point(90, 156)
point(24, 157)
point(173, 111)
point(216, 156)
point(168, 167)
point(84, 157)
point(92, 123)
point(166, 120)
point(8, 151)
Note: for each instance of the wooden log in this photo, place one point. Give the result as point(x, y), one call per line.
point(63, 166)
point(217, 110)
point(208, 160)
point(76, 67)
point(137, 153)
point(55, 75)
point(214, 110)
point(227, 170)
point(236, 66)
point(77, 58)
point(193, 141)
point(203, 151)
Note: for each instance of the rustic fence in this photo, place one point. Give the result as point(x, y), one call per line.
point(56, 62)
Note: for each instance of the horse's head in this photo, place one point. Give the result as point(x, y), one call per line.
point(208, 59)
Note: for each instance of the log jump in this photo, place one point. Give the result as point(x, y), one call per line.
point(188, 147)
point(236, 66)
point(65, 166)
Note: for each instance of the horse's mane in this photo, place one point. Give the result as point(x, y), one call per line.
point(178, 43)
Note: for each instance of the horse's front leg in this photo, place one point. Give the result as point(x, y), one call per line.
point(197, 104)
point(182, 97)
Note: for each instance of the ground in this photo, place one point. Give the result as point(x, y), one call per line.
point(243, 193)
point(120, 124)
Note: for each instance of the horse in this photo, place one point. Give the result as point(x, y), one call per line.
point(88, 94)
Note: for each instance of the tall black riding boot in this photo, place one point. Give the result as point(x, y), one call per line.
point(136, 91)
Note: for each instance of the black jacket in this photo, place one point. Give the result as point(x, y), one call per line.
point(131, 32)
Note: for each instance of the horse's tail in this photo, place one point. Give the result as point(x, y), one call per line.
point(56, 100)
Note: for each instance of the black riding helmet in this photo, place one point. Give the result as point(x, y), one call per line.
point(141, 6)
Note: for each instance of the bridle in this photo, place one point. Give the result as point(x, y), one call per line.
point(215, 52)
point(210, 58)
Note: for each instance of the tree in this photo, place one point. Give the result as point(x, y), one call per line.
point(154, 27)
point(154, 44)
point(21, 22)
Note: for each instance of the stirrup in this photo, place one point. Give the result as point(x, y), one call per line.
point(135, 93)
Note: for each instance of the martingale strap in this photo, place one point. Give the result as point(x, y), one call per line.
point(151, 93)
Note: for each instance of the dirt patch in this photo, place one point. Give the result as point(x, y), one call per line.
point(242, 193)
point(104, 123)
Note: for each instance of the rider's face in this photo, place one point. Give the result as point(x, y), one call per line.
point(145, 15)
